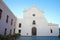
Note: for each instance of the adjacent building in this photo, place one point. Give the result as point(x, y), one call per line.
point(7, 20)
point(53, 29)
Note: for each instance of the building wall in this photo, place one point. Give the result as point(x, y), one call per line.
point(41, 23)
point(42, 26)
point(55, 29)
point(3, 24)
point(19, 21)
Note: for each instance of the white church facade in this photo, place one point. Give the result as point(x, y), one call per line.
point(33, 23)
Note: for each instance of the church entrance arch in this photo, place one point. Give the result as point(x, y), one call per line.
point(34, 31)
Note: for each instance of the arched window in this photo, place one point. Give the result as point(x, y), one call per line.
point(5, 32)
point(59, 30)
point(14, 31)
point(11, 21)
point(51, 31)
point(19, 25)
point(10, 31)
point(34, 22)
point(19, 31)
point(0, 13)
point(7, 19)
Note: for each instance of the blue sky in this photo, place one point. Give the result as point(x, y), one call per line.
point(50, 7)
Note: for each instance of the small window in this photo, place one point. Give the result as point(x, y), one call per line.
point(59, 30)
point(51, 31)
point(19, 31)
point(19, 25)
point(7, 19)
point(34, 22)
point(14, 31)
point(5, 32)
point(11, 21)
point(14, 23)
point(33, 14)
point(10, 31)
point(0, 13)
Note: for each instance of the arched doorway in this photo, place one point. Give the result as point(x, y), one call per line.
point(34, 31)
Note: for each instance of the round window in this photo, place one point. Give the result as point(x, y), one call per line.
point(33, 14)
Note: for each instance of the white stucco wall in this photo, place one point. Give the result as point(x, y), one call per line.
point(41, 22)
point(55, 29)
point(42, 26)
point(17, 25)
point(3, 24)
